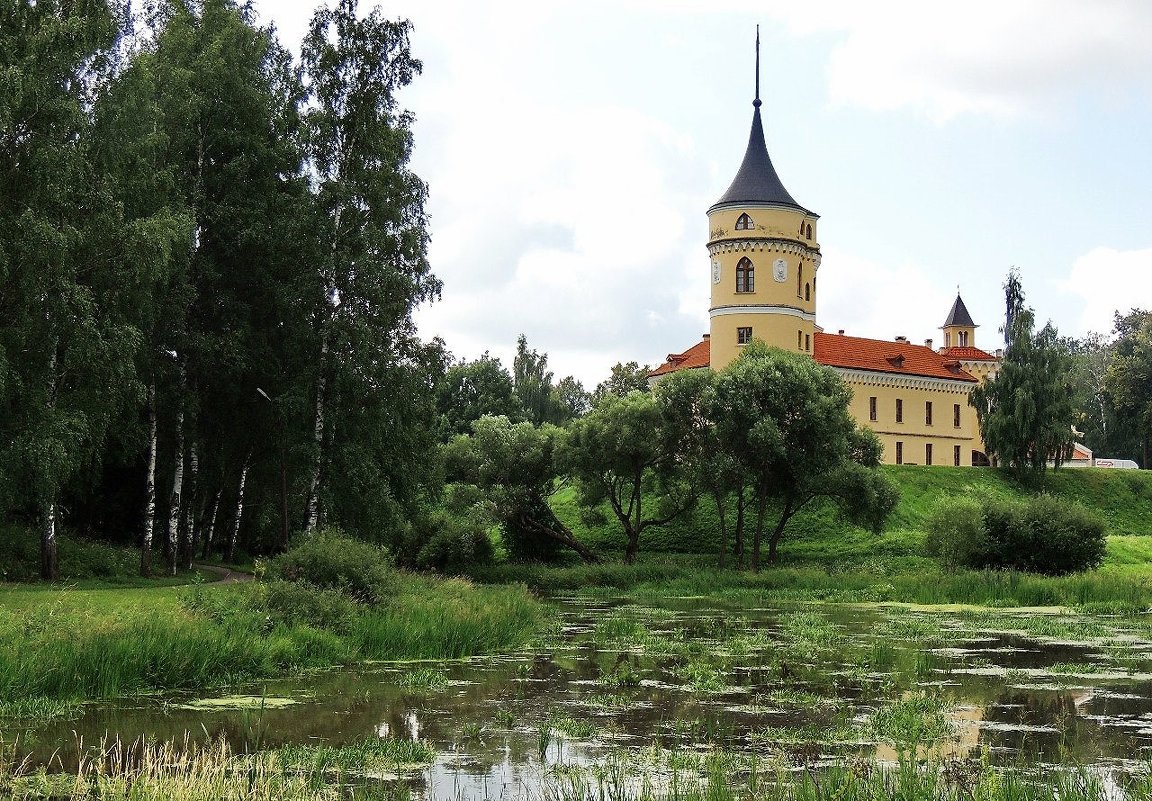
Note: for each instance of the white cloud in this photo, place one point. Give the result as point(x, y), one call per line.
point(882, 301)
point(981, 56)
point(1109, 280)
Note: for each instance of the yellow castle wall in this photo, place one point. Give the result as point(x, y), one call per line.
point(914, 432)
point(782, 301)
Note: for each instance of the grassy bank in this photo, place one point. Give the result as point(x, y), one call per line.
point(1123, 498)
point(88, 644)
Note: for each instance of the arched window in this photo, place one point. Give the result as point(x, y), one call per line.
point(963, 339)
point(745, 276)
point(799, 278)
point(808, 231)
point(807, 292)
point(743, 223)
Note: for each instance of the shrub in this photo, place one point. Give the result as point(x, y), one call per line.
point(1042, 534)
point(300, 603)
point(956, 532)
point(450, 538)
point(330, 559)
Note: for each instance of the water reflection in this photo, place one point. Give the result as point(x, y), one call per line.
point(693, 679)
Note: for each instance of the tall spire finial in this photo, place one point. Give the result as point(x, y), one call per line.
point(756, 102)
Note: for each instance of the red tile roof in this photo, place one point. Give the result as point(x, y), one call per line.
point(968, 354)
point(885, 356)
point(856, 353)
point(696, 356)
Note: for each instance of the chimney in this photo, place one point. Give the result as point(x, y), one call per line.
point(707, 336)
point(840, 332)
point(999, 353)
point(928, 344)
point(901, 339)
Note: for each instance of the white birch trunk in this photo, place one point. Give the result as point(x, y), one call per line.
point(49, 565)
point(189, 526)
point(210, 531)
point(235, 536)
point(150, 489)
point(313, 506)
point(49, 569)
point(172, 545)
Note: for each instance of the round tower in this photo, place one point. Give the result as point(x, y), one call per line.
point(764, 257)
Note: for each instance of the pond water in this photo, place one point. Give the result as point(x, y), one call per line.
point(651, 685)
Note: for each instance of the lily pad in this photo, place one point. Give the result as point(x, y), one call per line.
point(239, 702)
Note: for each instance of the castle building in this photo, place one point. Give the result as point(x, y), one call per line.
point(764, 256)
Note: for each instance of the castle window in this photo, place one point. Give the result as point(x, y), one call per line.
point(745, 276)
point(808, 231)
point(743, 335)
point(899, 453)
point(928, 453)
point(807, 292)
point(899, 410)
point(744, 223)
point(807, 342)
point(799, 278)
point(956, 415)
point(963, 339)
point(799, 340)
point(872, 408)
point(927, 413)
point(956, 455)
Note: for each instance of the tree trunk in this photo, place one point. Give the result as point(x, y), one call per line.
point(562, 535)
point(171, 543)
point(191, 525)
point(49, 565)
point(149, 489)
point(634, 530)
point(313, 504)
point(761, 506)
point(738, 543)
point(210, 530)
point(721, 517)
point(785, 516)
point(235, 536)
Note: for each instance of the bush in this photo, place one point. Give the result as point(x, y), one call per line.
point(330, 559)
point(956, 532)
point(300, 603)
point(1042, 534)
point(452, 537)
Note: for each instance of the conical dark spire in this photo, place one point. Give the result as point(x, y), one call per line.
point(959, 314)
point(756, 181)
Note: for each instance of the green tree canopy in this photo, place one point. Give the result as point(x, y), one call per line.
point(515, 465)
point(626, 452)
point(785, 420)
point(1129, 376)
point(1026, 411)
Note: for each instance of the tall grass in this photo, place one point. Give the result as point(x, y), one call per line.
point(65, 651)
point(915, 581)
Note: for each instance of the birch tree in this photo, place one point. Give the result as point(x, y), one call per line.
point(370, 245)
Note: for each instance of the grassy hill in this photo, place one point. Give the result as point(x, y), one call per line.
point(1123, 498)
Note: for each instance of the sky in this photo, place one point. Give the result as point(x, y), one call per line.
point(572, 150)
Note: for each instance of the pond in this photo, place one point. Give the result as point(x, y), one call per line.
point(649, 689)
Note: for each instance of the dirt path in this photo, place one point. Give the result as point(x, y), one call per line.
point(225, 575)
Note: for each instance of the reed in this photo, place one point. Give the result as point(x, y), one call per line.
point(62, 650)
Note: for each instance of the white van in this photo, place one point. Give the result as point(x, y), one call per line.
point(1126, 464)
